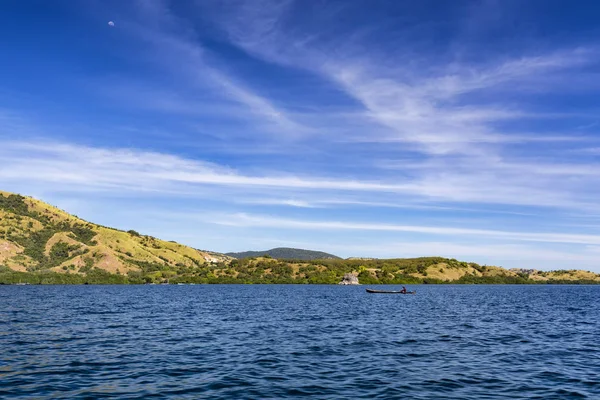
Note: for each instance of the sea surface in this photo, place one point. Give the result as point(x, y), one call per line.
point(298, 341)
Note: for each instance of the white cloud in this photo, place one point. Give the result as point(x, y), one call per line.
point(131, 170)
point(247, 220)
point(56, 162)
point(420, 104)
point(433, 112)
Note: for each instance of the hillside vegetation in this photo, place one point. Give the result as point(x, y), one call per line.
point(41, 239)
point(41, 244)
point(286, 253)
point(431, 270)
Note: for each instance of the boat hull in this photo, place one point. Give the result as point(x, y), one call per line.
point(390, 291)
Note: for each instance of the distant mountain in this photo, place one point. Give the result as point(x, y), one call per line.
point(286, 253)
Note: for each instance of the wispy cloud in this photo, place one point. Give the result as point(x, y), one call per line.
point(66, 163)
point(350, 202)
point(132, 169)
point(247, 220)
point(421, 105)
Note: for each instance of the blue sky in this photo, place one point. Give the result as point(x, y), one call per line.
point(466, 129)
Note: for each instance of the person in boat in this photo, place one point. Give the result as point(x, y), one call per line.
point(403, 290)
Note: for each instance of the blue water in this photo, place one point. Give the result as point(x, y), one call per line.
point(257, 342)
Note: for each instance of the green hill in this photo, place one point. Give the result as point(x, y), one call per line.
point(41, 244)
point(36, 237)
point(286, 253)
point(431, 270)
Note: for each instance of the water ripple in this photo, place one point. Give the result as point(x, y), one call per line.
point(249, 342)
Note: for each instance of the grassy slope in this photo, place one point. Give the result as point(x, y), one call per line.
point(36, 237)
point(83, 244)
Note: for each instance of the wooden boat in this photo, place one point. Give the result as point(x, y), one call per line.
point(390, 291)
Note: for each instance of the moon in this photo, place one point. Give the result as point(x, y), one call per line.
point(110, 23)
